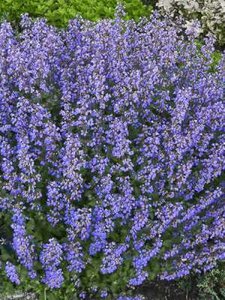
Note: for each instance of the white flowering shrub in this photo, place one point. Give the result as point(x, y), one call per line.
point(210, 13)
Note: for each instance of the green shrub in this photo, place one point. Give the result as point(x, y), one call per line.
point(59, 12)
point(212, 284)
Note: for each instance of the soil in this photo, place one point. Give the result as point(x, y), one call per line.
point(165, 290)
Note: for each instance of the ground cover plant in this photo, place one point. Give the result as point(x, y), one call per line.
point(112, 156)
point(59, 12)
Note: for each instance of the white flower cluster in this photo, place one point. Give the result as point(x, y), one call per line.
point(210, 13)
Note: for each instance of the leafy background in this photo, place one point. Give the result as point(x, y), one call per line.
point(59, 12)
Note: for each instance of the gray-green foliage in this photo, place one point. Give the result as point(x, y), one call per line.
point(212, 285)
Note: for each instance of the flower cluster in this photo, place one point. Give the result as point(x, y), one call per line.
point(112, 153)
point(50, 259)
point(21, 243)
point(11, 273)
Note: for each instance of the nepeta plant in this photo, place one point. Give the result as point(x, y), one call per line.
point(112, 154)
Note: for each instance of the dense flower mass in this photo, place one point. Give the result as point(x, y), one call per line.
point(112, 153)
